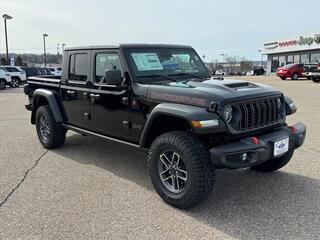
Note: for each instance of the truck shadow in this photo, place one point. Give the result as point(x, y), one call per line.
point(244, 204)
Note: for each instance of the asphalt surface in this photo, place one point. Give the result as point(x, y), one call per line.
point(95, 189)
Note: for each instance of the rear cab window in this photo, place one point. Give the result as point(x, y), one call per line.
point(78, 67)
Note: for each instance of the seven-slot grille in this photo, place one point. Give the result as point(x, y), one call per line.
point(260, 113)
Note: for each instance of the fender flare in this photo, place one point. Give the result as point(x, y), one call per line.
point(182, 111)
point(51, 98)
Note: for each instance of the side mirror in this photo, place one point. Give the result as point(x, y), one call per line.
point(113, 77)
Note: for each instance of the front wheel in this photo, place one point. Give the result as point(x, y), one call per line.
point(3, 84)
point(283, 78)
point(274, 163)
point(316, 80)
point(50, 133)
point(180, 168)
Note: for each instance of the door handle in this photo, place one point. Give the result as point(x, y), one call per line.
point(92, 95)
point(71, 92)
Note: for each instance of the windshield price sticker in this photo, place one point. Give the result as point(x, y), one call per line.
point(147, 61)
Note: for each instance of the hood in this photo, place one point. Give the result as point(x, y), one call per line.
point(203, 93)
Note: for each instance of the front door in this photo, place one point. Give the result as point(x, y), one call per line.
point(75, 91)
point(110, 112)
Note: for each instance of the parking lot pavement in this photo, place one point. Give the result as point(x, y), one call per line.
point(95, 189)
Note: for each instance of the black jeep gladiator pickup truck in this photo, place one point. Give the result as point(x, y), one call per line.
point(162, 98)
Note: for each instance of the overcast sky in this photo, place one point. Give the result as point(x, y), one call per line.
point(238, 27)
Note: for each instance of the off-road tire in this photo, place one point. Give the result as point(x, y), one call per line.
point(295, 76)
point(201, 174)
point(57, 132)
point(274, 163)
point(3, 84)
point(283, 78)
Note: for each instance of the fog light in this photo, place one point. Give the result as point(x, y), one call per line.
point(244, 157)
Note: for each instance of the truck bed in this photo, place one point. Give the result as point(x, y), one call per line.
point(53, 81)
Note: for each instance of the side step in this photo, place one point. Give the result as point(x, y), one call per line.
point(86, 132)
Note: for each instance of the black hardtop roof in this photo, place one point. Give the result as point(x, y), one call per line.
point(127, 45)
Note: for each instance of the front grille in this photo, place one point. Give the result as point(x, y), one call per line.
point(257, 114)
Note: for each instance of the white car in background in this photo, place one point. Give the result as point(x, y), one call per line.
point(55, 71)
point(5, 79)
point(250, 73)
point(220, 72)
point(17, 75)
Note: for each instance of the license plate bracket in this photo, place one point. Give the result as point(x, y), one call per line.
point(281, 146)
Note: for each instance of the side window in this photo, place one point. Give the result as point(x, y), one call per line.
point(104, 62)
point(78, 67)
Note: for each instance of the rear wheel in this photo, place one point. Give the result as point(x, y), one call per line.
point(295, 76)
point(3, 84)
point(180, 168)
point(50, 133)
point(274, 163)
point(15, 82)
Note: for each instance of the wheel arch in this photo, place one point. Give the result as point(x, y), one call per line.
point(47, 97)
point(167, 117)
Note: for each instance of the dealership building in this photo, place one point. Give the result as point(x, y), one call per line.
point(304, 48)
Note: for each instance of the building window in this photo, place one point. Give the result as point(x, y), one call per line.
point(290, 59)
point(296, 58)
point(274, 64)
point(304, 58)
point(282, 61)
point(315, 58)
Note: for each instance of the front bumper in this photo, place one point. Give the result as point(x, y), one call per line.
point(231, 155)
point(283, 74)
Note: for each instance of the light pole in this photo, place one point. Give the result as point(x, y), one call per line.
point(223, 59)
point(6, 17)
point(261, 57)
point(223, 56)
point(44, 48)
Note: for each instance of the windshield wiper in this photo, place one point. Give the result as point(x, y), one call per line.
point(186, 74)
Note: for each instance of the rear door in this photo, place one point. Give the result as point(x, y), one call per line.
point(75, 89)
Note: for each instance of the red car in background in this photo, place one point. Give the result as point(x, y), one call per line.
point(293, 71)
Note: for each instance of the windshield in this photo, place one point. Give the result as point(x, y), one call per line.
point(164, 62)
point(289, 65)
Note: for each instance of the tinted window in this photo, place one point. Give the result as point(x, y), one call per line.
point(304, 58)
point(315, 58)
point(274, 64)
point(290, 59)
point(104, 62)
point(78, 67)
point(296, 59)
point(12, 69)
point(282, 61)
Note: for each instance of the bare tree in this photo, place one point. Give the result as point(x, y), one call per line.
point(245, 65)
point(232, 62)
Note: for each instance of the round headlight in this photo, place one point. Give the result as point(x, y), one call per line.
point(227, 113)
point(278, 103)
